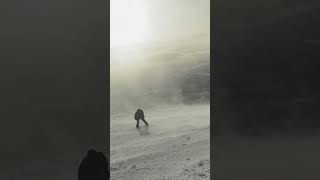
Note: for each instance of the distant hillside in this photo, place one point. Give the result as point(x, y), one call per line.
point(169, 72)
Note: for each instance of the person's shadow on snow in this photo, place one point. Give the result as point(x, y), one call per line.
point(144, 131)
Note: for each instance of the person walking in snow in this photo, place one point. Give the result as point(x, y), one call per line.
point(140, 115)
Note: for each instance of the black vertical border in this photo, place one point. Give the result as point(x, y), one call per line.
point(108, 76)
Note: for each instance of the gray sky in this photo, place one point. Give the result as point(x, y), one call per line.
point(141, 21)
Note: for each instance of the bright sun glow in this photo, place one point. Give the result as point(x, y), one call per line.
point(128, 22)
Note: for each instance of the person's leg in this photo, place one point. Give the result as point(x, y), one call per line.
point(145, 121)
point(137, 125)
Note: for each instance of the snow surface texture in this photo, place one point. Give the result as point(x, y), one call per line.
point(176, 145)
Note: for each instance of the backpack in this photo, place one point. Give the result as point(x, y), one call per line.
point(139, 114)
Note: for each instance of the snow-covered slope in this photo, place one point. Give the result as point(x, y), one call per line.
point(174, 146)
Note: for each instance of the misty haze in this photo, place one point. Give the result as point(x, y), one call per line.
point(172, 86)
point(166, 73)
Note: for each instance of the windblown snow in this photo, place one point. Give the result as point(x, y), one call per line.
point(174, 146)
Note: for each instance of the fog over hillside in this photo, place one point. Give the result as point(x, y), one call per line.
point(167, 73)
point(170, 81)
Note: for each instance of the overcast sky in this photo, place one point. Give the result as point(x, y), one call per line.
point(141, 21)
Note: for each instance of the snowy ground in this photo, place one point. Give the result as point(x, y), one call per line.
point(176, 145)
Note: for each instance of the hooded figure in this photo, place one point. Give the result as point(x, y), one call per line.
point(94, 167)
point(140, 115)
